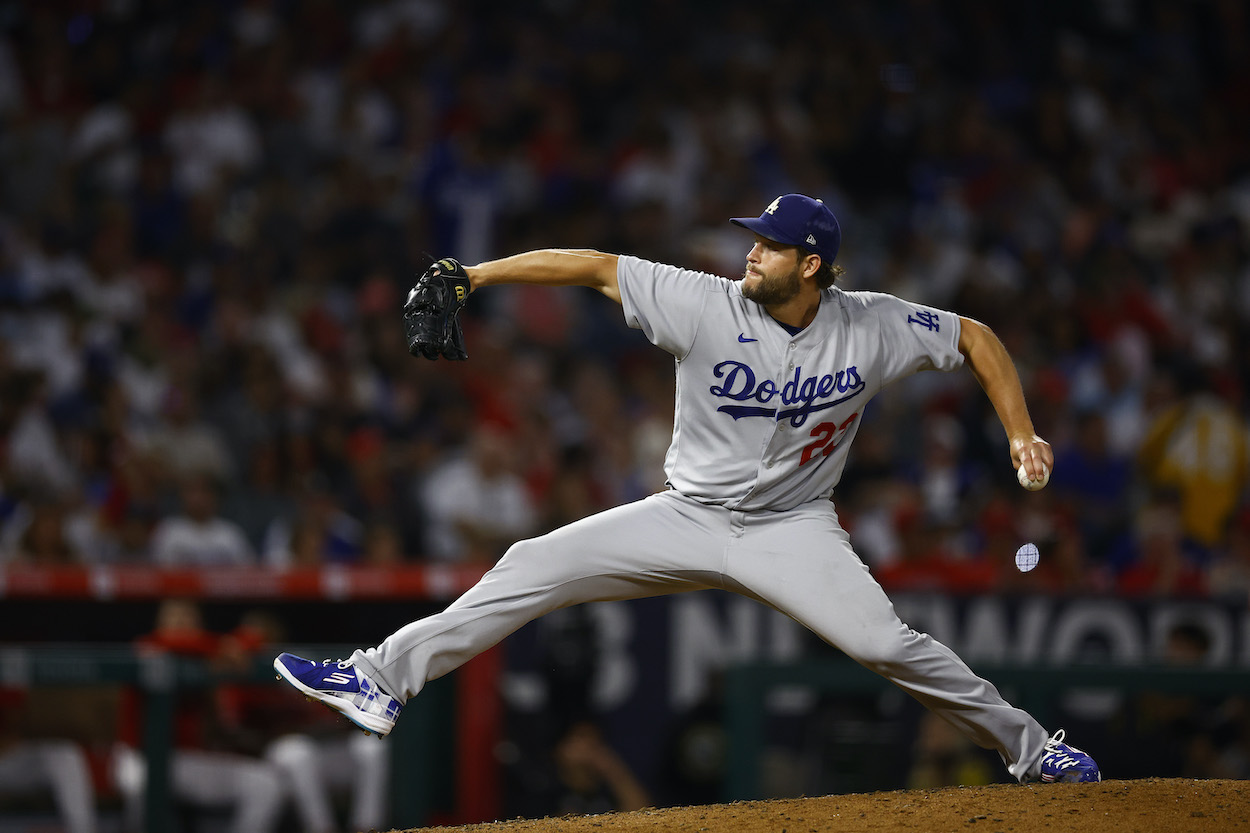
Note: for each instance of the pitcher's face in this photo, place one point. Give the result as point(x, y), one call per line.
point(772, 275)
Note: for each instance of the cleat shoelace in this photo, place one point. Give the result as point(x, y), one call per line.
point(1055, 740)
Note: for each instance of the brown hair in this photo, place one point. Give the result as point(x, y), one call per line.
point(827, 274)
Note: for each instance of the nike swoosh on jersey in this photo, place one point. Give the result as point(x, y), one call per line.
point(742, 337)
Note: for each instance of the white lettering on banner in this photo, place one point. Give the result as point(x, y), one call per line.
point(1057, 631)
point(1084, 621)
point(1034, 630)
point(986, 632)
point(704, 640)
point(1040, 634)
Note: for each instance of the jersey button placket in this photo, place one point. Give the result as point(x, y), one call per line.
point(791, 347)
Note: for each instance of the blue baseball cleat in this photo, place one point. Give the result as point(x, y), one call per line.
point(1061, 762)
point(344, 688)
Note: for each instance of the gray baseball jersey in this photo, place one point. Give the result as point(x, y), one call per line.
point(762, 426)
point(765, 418)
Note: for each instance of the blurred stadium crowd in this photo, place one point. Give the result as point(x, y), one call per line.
point(210, 213)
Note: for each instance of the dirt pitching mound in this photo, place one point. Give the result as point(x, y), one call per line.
point(1151, 805)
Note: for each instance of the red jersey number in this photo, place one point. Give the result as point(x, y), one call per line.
point(827, 437)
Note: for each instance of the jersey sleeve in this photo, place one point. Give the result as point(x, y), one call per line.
point(915, 337)
point(665, 302)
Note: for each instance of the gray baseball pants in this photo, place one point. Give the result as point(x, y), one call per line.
point(799, 562)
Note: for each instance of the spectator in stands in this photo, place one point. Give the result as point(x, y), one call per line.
point(198, 536)
point(261, 495)
point(132, 540)
point(37, 536)
point(383, 546)
point(186, 443)
point(1197, 448)
point(942, 473)
point(375, 492)
point(1093, 484)
point(1161, 567)
point(306, 547)
point(1111, 383)
point(571, 493)
point(211, 138)
point(249, 407)
point(928, 560)
point(131, 509)
point(318, 531)
point(35, 456)
point(476, 504)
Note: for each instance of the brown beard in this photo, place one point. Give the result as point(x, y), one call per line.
point(773, 289)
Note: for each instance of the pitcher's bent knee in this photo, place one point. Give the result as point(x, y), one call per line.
point(885, 653)
point(533, 556)
point(540, 563)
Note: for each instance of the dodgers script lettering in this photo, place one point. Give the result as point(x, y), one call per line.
point(801, 393)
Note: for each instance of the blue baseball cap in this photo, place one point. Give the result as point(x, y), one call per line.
point(797, 220)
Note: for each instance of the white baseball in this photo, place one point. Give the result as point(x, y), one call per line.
point(1032, 485)
point(1027, 557)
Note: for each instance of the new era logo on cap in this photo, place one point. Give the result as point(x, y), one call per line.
point(798, 220)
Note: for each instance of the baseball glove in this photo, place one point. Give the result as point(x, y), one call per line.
point(430, 313)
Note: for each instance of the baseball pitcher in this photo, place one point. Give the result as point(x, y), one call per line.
point(773, 374)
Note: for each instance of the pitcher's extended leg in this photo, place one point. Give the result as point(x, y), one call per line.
point(810, 572)
point(661, 544)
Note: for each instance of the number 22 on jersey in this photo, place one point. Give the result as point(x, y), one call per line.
point(827, 435)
